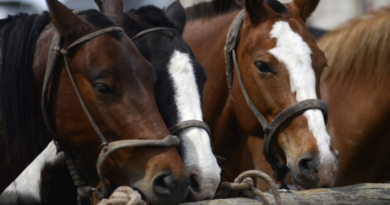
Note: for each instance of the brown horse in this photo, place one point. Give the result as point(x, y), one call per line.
point(355, 86)
point(280, 64)
point(114, 81)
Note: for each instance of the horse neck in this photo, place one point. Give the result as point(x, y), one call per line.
point(207, 40)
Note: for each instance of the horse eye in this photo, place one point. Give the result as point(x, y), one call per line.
point(103, 88)
point(262, 67)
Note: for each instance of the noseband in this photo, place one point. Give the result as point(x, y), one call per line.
point(280, 171)
point(85, 192)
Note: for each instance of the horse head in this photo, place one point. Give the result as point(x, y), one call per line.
point(280, 64)
point(116, 84)
point(178, 90)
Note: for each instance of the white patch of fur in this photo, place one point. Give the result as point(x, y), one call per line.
point(28, 182)
point(197, 154)
point(296, 55)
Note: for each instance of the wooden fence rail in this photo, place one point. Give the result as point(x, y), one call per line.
point(361, 194)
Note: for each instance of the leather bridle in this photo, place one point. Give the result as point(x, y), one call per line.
point(270, 129)
point(84, 191)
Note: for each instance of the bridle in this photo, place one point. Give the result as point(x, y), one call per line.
point(184, 124)
point(85, 192)
point(280, 171)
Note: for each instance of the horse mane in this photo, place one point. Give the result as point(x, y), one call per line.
point(360, 42)
point(18, 36)
point(211, 9)
point(20, 114)
point(214, 8)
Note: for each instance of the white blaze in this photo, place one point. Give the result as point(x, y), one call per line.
point(197, 154)
point(28, 182)
point(296, 55)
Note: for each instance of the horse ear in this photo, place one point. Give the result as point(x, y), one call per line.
point(254, 8)
point(98, 4)
point(65, 21)
point(306, 7)
point(176, 13)
point(113, 9)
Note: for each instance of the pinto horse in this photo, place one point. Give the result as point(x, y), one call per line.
point(115, 86)
point(355, 86)
point(174, 64)
point(279, 64)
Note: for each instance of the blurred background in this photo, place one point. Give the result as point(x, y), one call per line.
point(329, 14)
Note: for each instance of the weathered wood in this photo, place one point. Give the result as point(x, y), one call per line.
point(357, 194)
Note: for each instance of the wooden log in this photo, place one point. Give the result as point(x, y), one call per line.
point(357, 194)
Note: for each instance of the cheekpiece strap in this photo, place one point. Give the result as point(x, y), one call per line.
point(231, 44)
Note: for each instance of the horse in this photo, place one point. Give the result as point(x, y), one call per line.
point(163, 48)
point(96, 101)
point(258, 82)
point(354, 85)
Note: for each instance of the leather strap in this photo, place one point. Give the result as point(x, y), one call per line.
point(280, 171)
point(189, 123)
point(259, 116)
point(168, 141)
point(51, 62)
point(65, 55)
point(152, 30)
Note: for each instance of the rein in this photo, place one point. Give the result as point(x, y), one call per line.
point(85, 192)
point(280, 171)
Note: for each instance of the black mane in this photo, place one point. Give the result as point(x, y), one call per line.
point(137, 20)
point(220, 7)
point(18, 36)
point(20, 112)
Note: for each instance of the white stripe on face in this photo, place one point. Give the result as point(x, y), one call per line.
point(28, 182)
point(296, 55)
point(196, 151)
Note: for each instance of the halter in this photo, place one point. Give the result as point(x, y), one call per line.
point(280, 171)
point(185, 124)
point(85, 192)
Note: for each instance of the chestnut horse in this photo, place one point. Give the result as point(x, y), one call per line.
point(280, 64)
point(355, 86)
point(161, 48)
point(116, 85)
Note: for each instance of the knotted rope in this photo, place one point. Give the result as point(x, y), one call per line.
point(244, 184)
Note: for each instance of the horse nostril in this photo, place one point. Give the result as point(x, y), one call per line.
point(307, 163)
point(168, 188)
point(194, 183)
point(163, 184)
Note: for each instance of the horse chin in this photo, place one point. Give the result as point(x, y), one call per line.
point(304, 182)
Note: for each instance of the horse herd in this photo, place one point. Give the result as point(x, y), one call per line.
point(89, 97)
